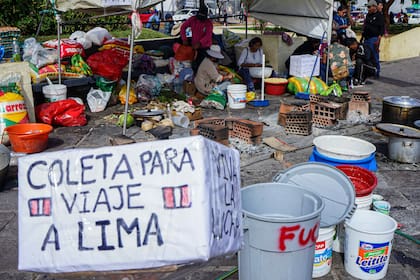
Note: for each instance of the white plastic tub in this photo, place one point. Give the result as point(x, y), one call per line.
point(343, 147)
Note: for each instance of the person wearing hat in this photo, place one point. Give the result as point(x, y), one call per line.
point(208, 76)
point(197, 31)
point(373, 30)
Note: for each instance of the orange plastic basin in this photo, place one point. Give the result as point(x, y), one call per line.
point(29, 138)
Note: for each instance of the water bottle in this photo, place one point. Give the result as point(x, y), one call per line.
point(16, 51)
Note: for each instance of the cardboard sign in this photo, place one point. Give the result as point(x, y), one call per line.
point(129, 207)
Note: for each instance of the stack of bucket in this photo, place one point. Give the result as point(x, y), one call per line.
point(289, 225)
point(364, 182)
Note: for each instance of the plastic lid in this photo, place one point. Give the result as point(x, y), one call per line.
point(147, 113)
point(403, 101)
point(399, 130)
point(331, 184)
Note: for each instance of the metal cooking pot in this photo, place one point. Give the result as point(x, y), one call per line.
point(400, 110)
point(403, 143)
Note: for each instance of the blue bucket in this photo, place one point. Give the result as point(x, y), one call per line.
point(368, 163)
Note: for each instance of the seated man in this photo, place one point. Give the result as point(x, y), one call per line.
point(362, 57)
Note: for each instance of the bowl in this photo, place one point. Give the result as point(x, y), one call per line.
point(343, 147)
point(275, 86)
point(256, 72)
point(29, 137)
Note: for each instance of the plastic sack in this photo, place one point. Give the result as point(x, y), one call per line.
point(299, 84)
point(66, 112)
point(51, 71)
point(334, 89)
point(108, 64)
point(97, 100)
point(147, 87)
point(105, 84)
point(68, 47)
point(215, 99)
point(12, 103)
point(98, 35)
point(144, 64)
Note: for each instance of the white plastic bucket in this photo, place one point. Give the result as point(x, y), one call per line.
point(236, 96)
point(54, 92)
point(323, 252)
point(368, 244)
point(364, 202)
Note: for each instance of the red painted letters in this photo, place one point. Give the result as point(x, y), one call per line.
point(289, 233)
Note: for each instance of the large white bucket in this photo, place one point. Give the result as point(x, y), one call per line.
point(55, 92)
point(236, 96)
point(368, 244)
point(323, 252)
point(362, 203)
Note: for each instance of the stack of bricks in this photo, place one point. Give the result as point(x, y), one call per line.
point(221, 130)
point(326, 113)
point(360, 103)
point(296, 119)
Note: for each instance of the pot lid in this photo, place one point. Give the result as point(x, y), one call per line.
point(398, 130)
point(331, 184)
point(147, 113)
point(417, 124)
point(403, 101)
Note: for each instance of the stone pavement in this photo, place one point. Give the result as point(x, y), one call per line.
point(398, 183)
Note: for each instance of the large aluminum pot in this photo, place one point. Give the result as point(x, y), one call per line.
point(403, 143)
point(400, 110)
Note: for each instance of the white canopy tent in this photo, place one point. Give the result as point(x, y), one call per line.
point(308, 17)
point(109, 7)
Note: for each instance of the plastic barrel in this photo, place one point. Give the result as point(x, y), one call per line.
point(237, 96)
point(368, 244)
point(281, 224)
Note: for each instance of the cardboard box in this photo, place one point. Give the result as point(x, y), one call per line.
point(125, 207)
point(302, 65)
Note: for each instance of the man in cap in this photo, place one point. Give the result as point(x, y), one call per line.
point(373, 30)
point(207, 76)
point(197, 31)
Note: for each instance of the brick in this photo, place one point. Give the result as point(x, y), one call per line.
point(214, 131)
point(360, 96)
point(330, 110)
point(212, 120)
point(323, 122)
point(299, 128)
point(361, 107)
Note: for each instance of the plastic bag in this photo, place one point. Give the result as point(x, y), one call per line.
point(147, 87)
point(98, 35)
point(63, 113)
point(97, 100)
point(80, 37)
point(123, 92)
point(108, 64)
point(37, 55)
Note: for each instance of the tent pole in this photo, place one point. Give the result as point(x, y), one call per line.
point(329, 31)
point(127, 94)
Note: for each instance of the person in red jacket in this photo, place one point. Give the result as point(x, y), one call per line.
point(197, 31)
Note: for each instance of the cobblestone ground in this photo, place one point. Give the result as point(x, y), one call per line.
point(398, 183)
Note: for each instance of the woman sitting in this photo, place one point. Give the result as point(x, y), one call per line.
point(208, 76)
point(252, 56)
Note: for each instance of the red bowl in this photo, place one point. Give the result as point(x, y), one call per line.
point(275, 88)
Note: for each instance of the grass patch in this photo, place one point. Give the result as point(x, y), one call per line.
point(145, 34)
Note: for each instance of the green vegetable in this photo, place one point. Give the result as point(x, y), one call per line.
point(130, 120)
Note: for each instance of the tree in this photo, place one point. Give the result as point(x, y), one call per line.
point(387, 6)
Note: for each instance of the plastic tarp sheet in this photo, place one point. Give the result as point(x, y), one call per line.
point(104, 6)
point(307, 17)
